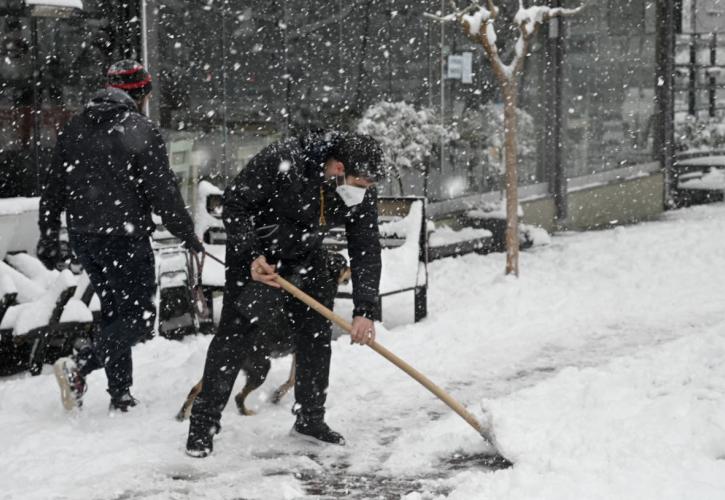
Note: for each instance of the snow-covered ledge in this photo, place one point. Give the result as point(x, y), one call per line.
point(18, 225)
point(67, 4)
point(532, 192)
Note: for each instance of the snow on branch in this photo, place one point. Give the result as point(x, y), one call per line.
point(529, 19)
point(478, 24)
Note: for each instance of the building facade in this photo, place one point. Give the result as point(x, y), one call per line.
point(598, 93)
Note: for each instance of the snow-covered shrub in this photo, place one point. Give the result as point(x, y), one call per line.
point(694, 133)
point(407, 135)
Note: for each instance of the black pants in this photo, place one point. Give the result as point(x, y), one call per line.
point(121, 270)
point(239, 331)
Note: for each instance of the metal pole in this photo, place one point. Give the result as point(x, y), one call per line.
point(145, 50)
point(664, 95)
point(554, 118)
point(286, 76)
point(712, 81)
point(443, 81)
point(692, 81)
point(692, 94)
point(225, 162)
point(37, 105)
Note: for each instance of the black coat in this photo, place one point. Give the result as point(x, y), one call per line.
point(274, 206)
point(109, 172)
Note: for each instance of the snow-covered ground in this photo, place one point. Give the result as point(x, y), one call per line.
point(602, 367)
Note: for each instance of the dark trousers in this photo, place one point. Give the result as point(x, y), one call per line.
point(239, 331)
point(121, 270)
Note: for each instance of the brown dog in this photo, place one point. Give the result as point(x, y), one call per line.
point(256, 366)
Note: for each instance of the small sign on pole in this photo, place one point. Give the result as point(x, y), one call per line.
point(460, 67)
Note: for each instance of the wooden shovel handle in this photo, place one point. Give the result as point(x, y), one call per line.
point(422, 379)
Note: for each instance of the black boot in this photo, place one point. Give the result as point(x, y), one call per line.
point(200, 442)
point(314, 426)
point(122, 401)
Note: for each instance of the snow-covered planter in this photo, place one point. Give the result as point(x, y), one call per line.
point(492, 217)
point(445, 241)
point(407, 136)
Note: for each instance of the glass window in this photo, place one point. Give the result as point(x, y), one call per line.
point(70, 56)
point(608, 94)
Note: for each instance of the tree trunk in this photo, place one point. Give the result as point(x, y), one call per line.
point(512, 200)
point(400, 184)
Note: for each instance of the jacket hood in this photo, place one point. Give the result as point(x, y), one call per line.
point(109, 104)
point(316, 146)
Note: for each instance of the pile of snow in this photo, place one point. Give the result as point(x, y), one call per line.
point(27, 289)
point(38, 290)
point(32, 268)
point(644, 426)
point(7, 286)
point(37, 313)
point(75, 311)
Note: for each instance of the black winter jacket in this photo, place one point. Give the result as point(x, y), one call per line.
point(109, 172)
point(274, 208)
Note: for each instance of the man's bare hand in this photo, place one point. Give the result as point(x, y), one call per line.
point(263, 272)
point(363, 330)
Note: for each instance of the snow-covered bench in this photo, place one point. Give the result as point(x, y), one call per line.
point(699, 177)
point(50, 310)
point(404, 239)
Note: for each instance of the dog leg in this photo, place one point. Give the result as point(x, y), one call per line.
point(239, 400)
point(284, 388)
point(186, 407)
point(256, 367)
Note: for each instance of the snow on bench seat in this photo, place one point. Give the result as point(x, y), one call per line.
point(75, 311)
point(32, 268)
point(38, 313)
point(27, 289)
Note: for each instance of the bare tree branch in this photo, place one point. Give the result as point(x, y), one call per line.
point(562, 12)
point(442, 19)
point(493, 9)
point(477, 22)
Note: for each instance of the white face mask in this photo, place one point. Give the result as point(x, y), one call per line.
point(351, 195)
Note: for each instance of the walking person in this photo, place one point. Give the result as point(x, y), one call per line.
point(276, 213)
point(110, 171)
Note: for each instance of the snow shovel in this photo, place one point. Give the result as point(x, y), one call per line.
point(454, 405)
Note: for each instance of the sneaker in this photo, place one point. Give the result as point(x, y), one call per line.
point(122, 402)
point(72, 383)
point(316, 430)
point(200, 442)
